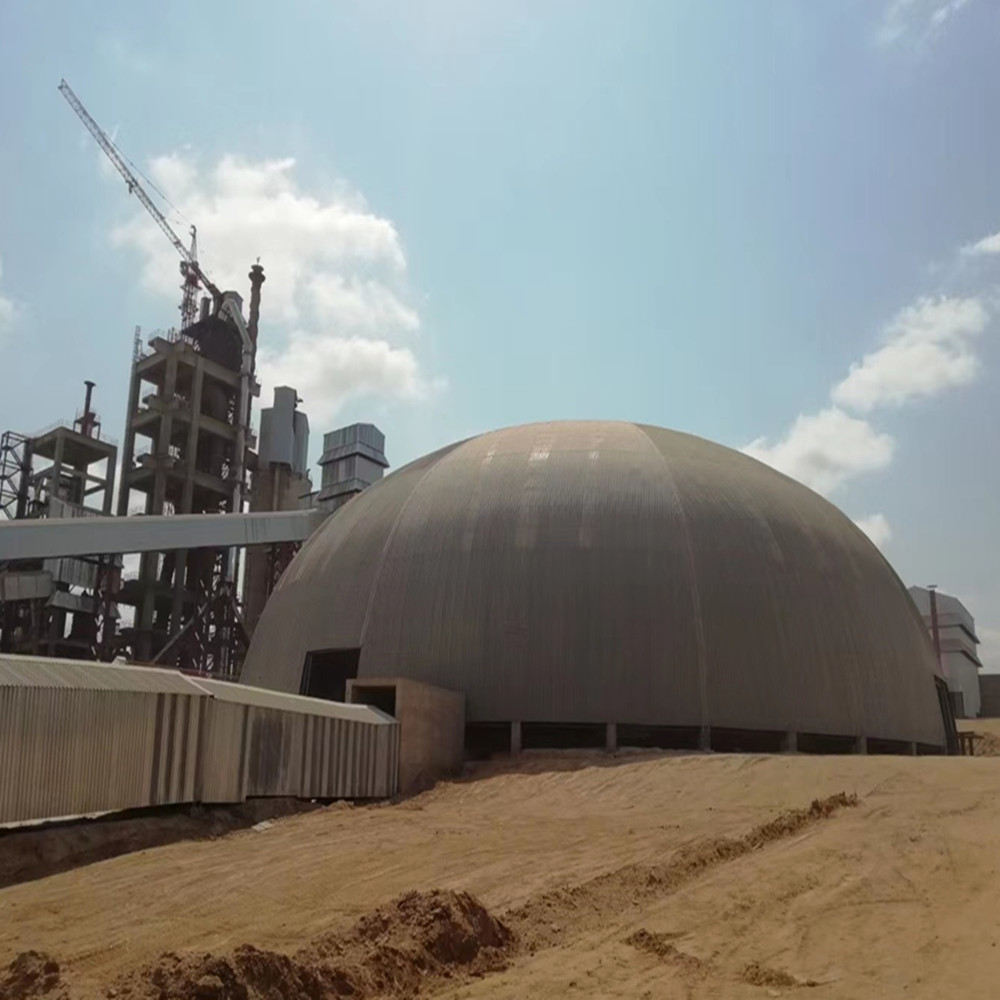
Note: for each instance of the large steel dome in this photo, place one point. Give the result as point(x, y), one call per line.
point(596, 572)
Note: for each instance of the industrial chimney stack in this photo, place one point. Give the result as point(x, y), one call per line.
point(256, 280)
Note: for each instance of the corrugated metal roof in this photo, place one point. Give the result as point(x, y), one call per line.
point(599, 571)
point(48, 672)
point(243, 694)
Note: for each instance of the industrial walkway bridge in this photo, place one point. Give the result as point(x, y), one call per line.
point(45, 538)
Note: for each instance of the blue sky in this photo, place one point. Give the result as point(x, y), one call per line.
point(763, 221)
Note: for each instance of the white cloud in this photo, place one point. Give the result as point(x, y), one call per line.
point(8, 311)
point(336, 297)
point(927, 350)
point(918, 21)
point(361, 304)
point(946, 10)
point(987, 245)
point(826, 449)
point(328, 371)
point(877, 528)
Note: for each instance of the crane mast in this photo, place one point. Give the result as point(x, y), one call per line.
point(192, 273)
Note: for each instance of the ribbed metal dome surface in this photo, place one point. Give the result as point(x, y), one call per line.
point(610, 572)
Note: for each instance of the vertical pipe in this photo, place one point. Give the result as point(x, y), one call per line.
point(935, 631)
point(86, 406)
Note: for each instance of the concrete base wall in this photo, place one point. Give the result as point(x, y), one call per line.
point(431, 726)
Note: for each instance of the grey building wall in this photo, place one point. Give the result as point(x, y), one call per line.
point(989, 691)
point(284, 432)
point(610, 572)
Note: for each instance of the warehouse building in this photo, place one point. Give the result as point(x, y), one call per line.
point(608, 583)
point(955, 643)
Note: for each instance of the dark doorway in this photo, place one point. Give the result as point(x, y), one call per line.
point(381, 696)
point(327, 671)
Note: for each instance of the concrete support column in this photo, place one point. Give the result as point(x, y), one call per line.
point(861, 744)
point(109, 488)
point(187, 494)
point(128, 445)
point(57, 464)
point(515, 738)
point(790, 742)
point(911, 748)
point(80, 484)
point(161, 448)
point(705, 738)
point(611, 737)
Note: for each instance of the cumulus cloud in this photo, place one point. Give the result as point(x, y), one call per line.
point(825, 450)
point(8, 311)
point(877, 528)
point(331, 370)
point(336, 304)
point(927, 349)
point(981, 248)
point(918, 21)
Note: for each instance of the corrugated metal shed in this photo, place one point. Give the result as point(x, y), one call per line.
point(594, 572)
point(79, 739)
point(48, 672)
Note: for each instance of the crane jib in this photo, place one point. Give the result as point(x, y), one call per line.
point(189, 307)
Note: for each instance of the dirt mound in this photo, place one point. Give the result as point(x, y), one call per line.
point(32, 974)
point(541, 921)
point(662, 946)
point(761, 975)
point(393, 951)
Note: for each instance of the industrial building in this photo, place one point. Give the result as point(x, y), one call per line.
point(189, 405)
point(280, 482)
point(603, 583)
point(953, 633)
point(59, 606)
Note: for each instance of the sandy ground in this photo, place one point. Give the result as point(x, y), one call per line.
point(896, 897)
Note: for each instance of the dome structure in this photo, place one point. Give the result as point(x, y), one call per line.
point(583, 573)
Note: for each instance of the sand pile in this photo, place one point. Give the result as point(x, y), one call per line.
point(761, 975)
point(32, 974)
point(543, 920)
point(396, 950)
point(663, 947)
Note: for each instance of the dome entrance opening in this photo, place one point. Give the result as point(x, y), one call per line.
point(326, 672)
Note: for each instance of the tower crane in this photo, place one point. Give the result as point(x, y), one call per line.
point(194, 276)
